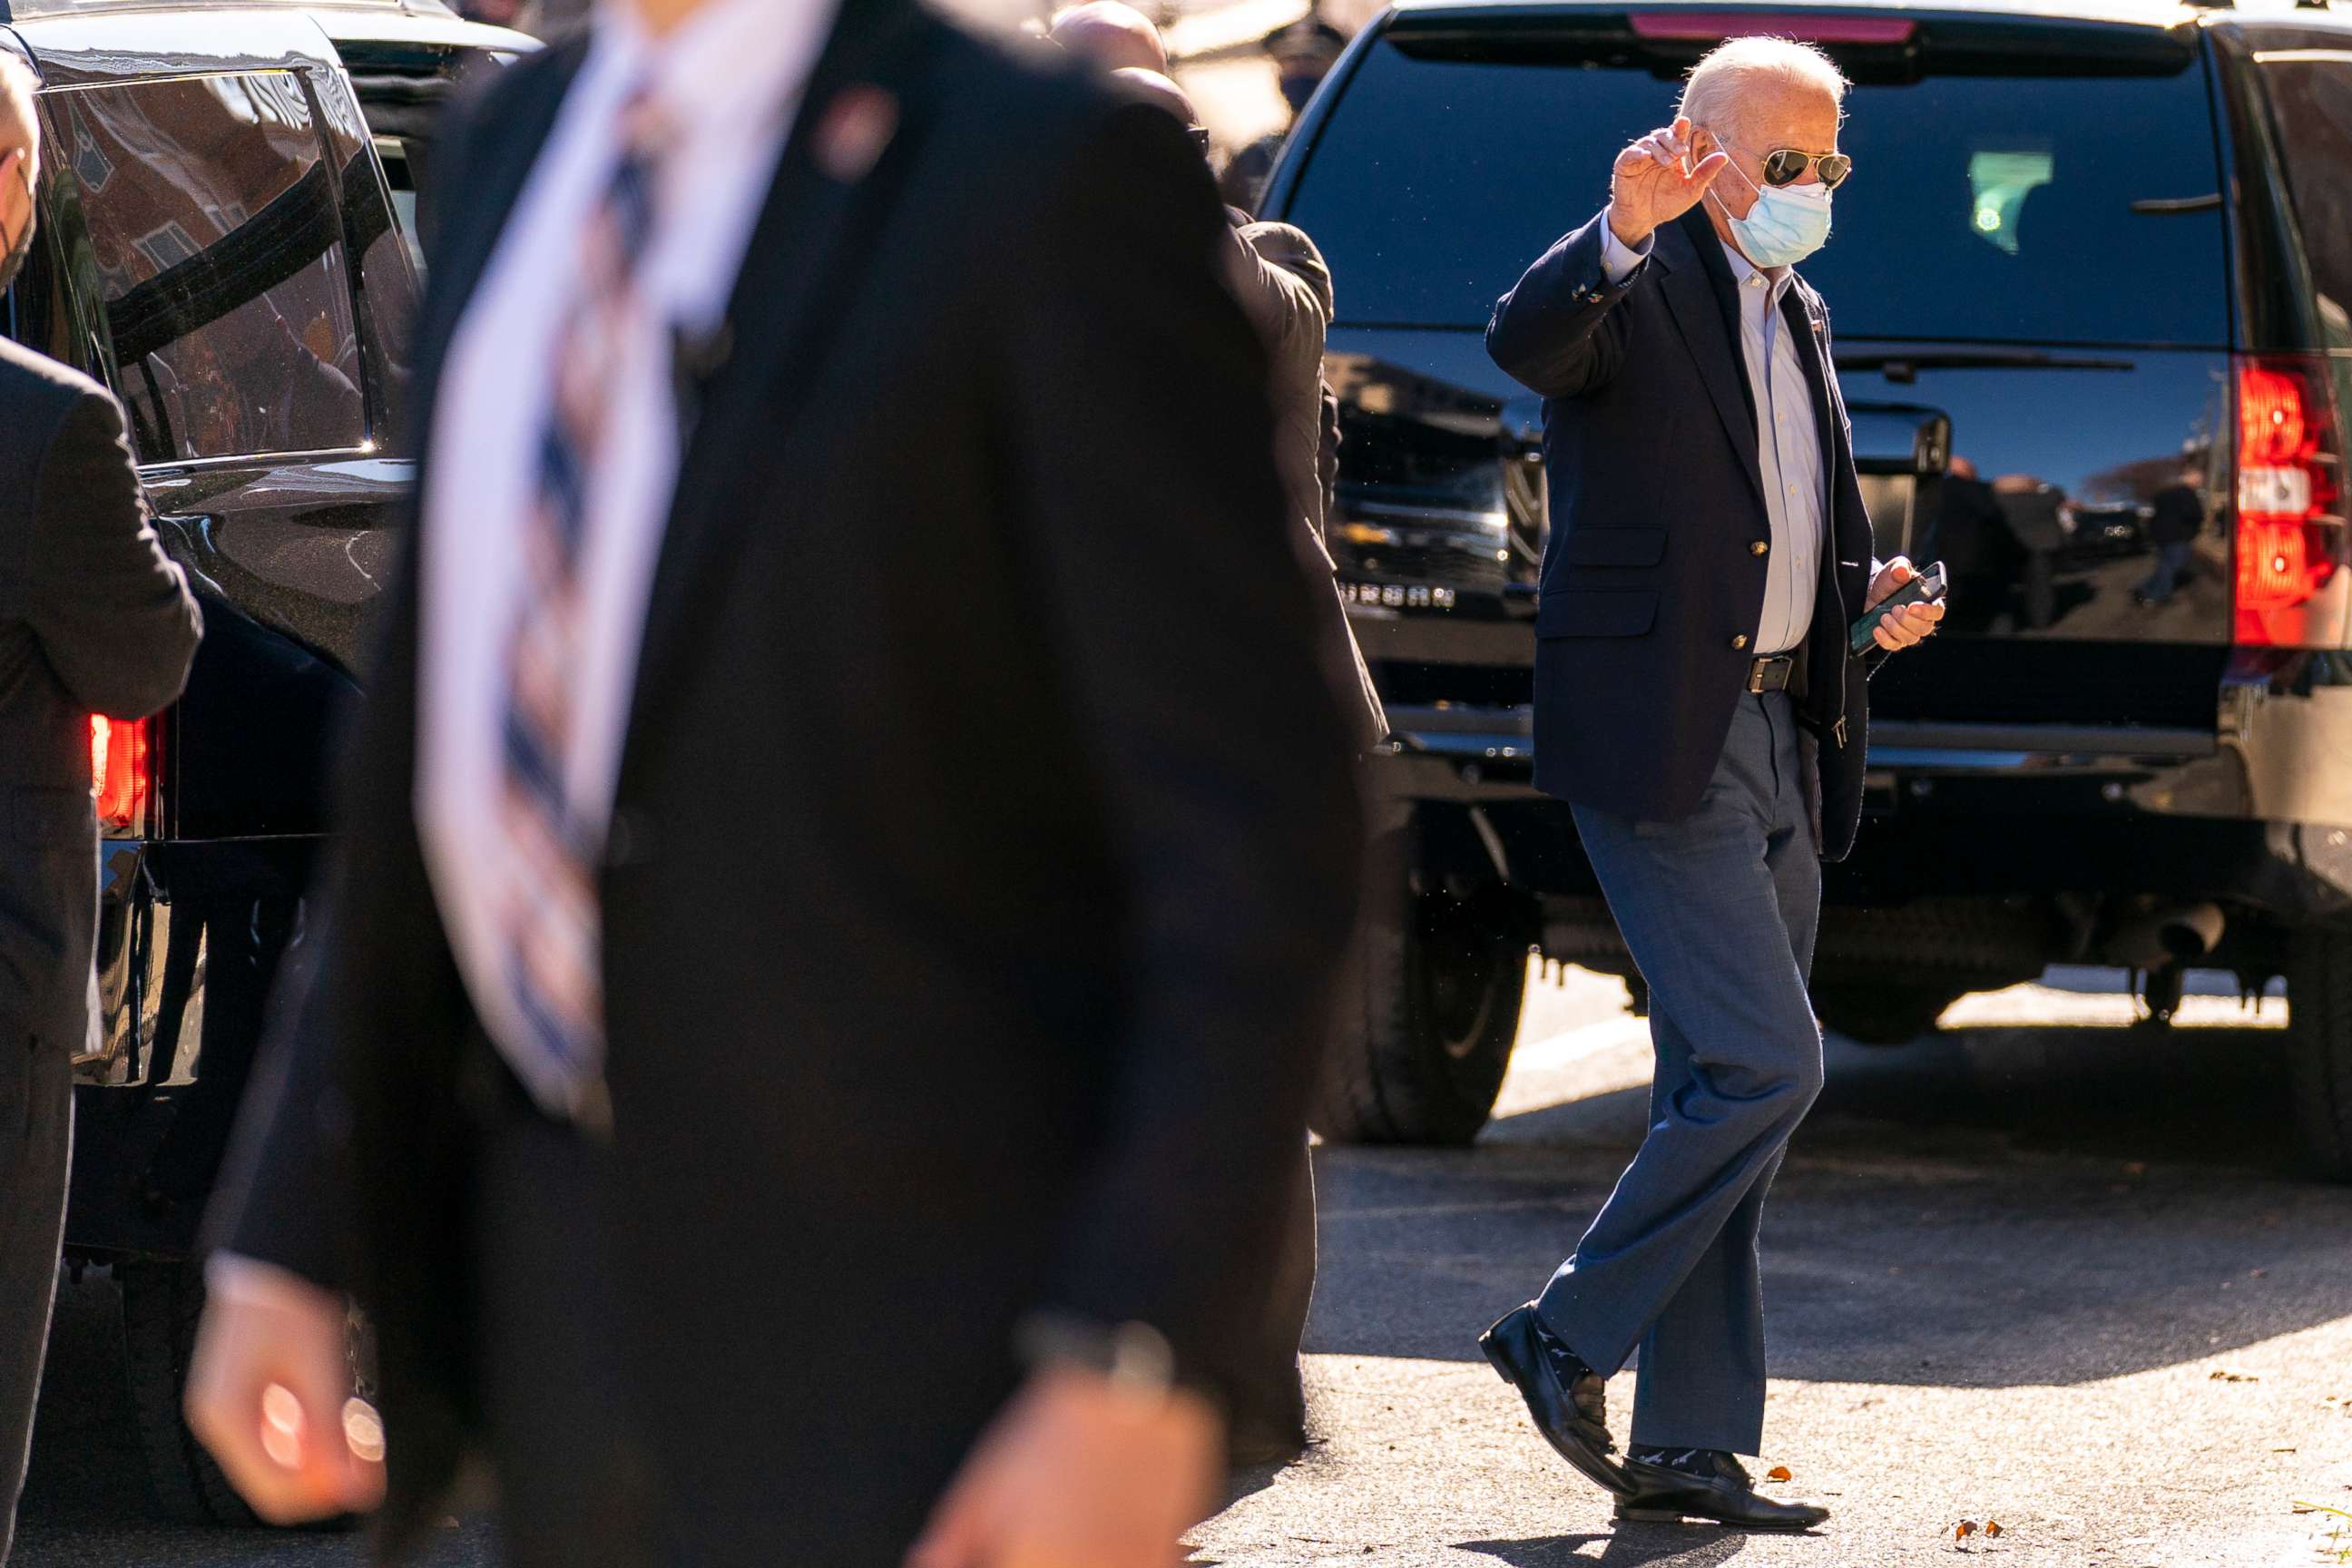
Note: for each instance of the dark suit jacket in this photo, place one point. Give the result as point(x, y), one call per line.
point(1650, 447)
point(983, 837)
point(93, 619)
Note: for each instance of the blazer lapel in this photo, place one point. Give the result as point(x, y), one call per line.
point(1801, 310)
point(849, 143)
point(1689, 290)
point(494, 159)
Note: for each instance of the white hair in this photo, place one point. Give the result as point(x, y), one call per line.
point(1721, 85)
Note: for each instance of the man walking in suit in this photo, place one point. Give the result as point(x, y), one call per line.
point(93, 619)
point(1697, 703)
point(834, 902)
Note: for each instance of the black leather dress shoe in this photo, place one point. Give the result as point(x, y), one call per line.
point(1569, 1404)
point(1702, 1483)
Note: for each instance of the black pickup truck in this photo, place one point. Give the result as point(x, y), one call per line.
point(224, 241)
point(2092, 287)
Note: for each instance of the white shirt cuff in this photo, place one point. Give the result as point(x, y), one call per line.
point(232, 1278)
point(1620, 260)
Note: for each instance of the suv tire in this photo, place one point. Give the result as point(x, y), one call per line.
point(1427, 1016)
point(1882, 1014)
point(160, 1304)
point(2319, 1047)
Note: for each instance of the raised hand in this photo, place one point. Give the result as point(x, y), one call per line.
point(1654, 183)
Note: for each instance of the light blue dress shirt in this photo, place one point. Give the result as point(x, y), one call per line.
point(1788, 441)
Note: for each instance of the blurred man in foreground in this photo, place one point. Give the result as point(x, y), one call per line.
point(93, 620)
point(827, 949)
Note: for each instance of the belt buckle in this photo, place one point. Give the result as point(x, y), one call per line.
point(1757, 671)
point(1755, 678)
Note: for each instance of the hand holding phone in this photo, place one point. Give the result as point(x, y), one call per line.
point(1926, 588)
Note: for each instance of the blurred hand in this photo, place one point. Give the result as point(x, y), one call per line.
point(1654, 182)
point(267, 1390)
point(1078, 1473)
point(1913, 623)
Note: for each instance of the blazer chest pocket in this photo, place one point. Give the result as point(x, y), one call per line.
point(1596, 613)
point(1613, 547)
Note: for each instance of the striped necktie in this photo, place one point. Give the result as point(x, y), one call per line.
point(550, 925)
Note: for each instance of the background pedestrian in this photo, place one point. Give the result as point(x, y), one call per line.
point(93, 620)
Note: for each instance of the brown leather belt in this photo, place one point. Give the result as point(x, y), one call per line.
point(1772, 674)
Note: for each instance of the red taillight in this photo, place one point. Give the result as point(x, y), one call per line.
point(2290, 536)
point(1815, 27)
point(118, 772)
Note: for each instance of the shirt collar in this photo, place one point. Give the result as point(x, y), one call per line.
point(731, 63)
point(1776, 280)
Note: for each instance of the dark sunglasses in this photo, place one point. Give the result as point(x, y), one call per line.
point(1787, 165)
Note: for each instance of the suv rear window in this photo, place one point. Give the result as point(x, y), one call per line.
point(1982, 206)
point(218, 244)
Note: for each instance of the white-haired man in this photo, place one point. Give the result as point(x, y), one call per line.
point(1698, 704)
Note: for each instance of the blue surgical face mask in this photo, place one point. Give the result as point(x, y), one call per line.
point(1787, 224)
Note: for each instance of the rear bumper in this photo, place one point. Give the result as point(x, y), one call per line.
point(1952, 812)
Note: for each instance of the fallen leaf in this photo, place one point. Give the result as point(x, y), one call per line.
point(2223, 1374)
point(1992, 1527)
point(1967, 1527)
point(1779, 1473)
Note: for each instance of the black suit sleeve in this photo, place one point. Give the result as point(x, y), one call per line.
point(1557, 331)
point(1179, 607)
point(113, 615)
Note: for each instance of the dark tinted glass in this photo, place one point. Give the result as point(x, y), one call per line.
point(2311, 91)
point(1981, 207)
point(217, 249)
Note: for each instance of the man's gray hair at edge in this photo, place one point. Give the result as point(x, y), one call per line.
point(1723, 83)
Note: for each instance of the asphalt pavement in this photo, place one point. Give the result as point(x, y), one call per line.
point(2043, 1270)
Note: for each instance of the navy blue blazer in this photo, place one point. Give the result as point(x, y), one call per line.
point(1653, 584)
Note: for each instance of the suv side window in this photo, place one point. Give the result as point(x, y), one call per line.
point(214, 237)
point(2311, 94)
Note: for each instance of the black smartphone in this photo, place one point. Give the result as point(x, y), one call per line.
point(1927, 587)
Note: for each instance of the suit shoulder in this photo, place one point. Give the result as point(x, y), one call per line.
point(30, 381)
point(1283, 242)
point(39, 394)
point(485, 97)
point(1038, 106)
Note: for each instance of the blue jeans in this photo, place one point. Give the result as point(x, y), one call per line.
point(1720, 911)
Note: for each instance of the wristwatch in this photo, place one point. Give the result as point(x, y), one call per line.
point(1135, 1357)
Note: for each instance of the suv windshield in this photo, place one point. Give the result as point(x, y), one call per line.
point(2005, 207)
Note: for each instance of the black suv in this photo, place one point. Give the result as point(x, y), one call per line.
point(222, 242)
point(2092, 287)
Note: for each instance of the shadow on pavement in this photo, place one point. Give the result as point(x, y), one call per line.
point(1628, 1547)
point(1990, 1208)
